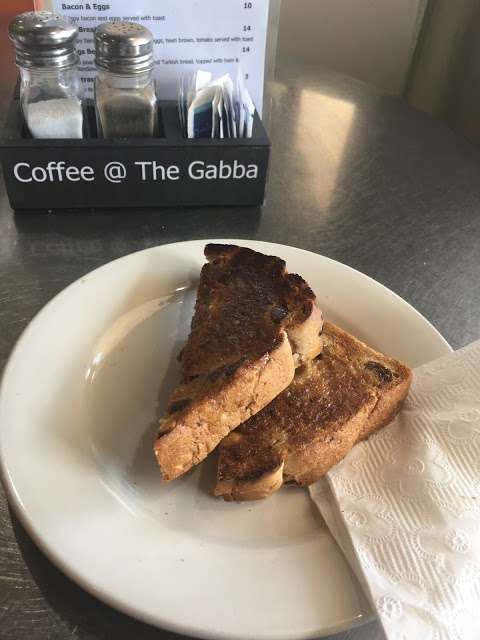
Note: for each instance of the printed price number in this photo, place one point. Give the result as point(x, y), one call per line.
point(247, 5)
point(245, 49)
point(247, 27)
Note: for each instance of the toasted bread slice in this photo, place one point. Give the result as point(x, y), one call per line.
point(253, 323)
point(339, 398)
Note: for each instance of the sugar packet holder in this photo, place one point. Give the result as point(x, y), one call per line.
point(215, 107)
point(164, 171)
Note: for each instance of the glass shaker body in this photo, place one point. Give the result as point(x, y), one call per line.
point(50, 90)
point(51, 101)
point(125, 98)
point(125, 105)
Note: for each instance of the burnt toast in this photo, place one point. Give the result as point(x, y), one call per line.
point(334, 401)
point(253, 324)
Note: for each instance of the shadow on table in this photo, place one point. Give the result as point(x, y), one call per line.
point(89, 617)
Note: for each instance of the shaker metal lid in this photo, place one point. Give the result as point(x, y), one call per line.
point(43, 39)
point(123, 47)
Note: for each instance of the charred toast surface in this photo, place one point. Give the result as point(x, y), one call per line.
point(253, 323)
point(333, 402)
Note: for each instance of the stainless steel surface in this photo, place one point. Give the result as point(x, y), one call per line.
point(123, 47)
point(43, 39)
point(355, 175)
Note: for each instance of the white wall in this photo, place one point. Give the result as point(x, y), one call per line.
point(372, 40)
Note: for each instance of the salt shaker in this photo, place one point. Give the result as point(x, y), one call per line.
point(125, 99)
point(50, 90)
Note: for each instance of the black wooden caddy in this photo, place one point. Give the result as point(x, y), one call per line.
point(164, 171)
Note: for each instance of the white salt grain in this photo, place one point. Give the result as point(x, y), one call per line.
point(59, 118)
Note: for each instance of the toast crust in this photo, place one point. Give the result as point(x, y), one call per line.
point(186, 439)
point(253, 323)
point(342, 397)
point(245, 299)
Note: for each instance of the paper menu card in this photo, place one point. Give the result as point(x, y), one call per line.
point(215, 35)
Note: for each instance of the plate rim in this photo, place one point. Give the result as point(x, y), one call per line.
point(107, 597)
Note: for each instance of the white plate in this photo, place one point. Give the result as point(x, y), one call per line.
point(78, 409)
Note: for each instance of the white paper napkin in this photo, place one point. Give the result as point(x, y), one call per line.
point(404, 506)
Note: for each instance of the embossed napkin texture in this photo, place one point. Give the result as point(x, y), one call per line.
point(404, 506)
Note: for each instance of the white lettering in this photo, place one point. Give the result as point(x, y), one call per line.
point(17, 174)
point(211, 172)
point(198, 170)
point(238, 170)
point(72, 174)
point(39, 174)
point(173, 172)
point(158, 171)
point(53, 172)
point(158, 168)
point(144, 168)
point(56, 167)
point(193, 172)
point(222, 168)
point(87, 173)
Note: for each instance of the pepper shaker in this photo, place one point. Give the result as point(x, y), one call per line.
point(125, 99)
point(50, 90)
